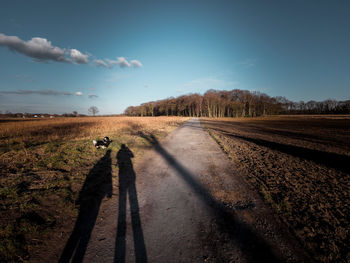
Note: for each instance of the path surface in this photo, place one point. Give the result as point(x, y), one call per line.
point(169, 215)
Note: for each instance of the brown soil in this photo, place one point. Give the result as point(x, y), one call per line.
point(183, 201)
point(300, 165)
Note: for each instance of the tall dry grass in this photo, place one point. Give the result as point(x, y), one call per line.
point(23, 143)
point(43, 165)
point(44, 130)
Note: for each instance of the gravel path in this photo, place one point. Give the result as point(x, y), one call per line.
point(169, 215)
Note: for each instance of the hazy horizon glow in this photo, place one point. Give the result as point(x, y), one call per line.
point(59, 57)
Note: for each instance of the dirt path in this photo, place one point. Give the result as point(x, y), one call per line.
point(175, 210)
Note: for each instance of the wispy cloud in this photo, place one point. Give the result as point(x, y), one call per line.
point(48, 92)
point(122, 62)
point(247, 63)
point(101, 63)
point(135, 63)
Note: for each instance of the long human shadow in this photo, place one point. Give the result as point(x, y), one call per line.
point(97, 185)
point(252, 245)
point(127, 186)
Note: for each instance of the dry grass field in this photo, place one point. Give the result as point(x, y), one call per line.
point(300, 165)
point(43, 165)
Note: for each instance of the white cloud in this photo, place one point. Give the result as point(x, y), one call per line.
point(37, 48)
point(43, 51)
point(79, 57)
point(135, 63)
point(111, 62)
point(122, 62)
point(78, 93)
point(101, 63)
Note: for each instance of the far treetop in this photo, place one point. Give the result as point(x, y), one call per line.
point(235, 103)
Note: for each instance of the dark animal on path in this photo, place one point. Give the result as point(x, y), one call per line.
point(102, 144)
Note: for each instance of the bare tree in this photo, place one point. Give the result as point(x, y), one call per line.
point(235, 103)
point(93, 110)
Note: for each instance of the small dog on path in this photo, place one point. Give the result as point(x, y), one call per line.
point(102, 144)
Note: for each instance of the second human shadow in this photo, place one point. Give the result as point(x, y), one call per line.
point(127, 187)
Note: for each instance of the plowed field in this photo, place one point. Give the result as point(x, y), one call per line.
point(301, 166)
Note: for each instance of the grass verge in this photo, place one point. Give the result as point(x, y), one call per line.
point(43, 167)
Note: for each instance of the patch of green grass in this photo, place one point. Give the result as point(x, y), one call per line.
point(8, 192)
point(266, 194)
point(221, 144)
point(284, 206)
point(68, 197)
point(281, 206)
point(27, 206)
point(66, 156)
point(53, 146)
point(12, 245)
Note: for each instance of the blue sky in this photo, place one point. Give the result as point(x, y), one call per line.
point(64, 56)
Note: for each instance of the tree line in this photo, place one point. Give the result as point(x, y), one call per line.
point(235, 103)
point(7, 114)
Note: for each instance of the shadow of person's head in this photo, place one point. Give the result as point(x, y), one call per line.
point(97, 181)
point(126, 171)
point(97, 185)
point(124, 156)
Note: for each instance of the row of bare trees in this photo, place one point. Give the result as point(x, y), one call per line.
point(329, 106)
point(234, 103)
point(92, 110)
